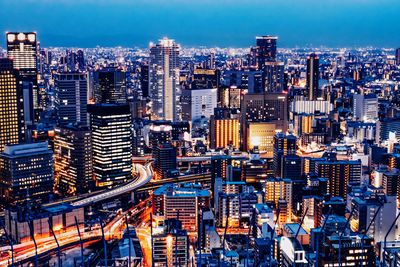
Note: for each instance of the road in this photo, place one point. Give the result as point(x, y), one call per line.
point(145, 175)
point(114, 229)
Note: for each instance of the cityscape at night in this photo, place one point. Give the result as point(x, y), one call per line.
point(199, 134)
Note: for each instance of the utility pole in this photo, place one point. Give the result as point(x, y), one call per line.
point(55, 239)
point(80, 241)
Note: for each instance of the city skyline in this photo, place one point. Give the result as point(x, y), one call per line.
point(356, 23)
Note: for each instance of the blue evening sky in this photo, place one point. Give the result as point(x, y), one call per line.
point(225, 23)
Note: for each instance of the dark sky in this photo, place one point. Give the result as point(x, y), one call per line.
point(225, 23)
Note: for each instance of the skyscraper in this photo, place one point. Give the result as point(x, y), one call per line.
point(312, 76)
point(12, 120)
point(71, 96)
point(26, 172)
point(73, 159)
point(397, 56)
point(283, 145)
point(111, 143)
point(22, 48)
point(266, 49)
point(165, 160)
point(109, 86)
point(274, 76)
point(164, 80)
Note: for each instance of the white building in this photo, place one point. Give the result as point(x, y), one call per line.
point(365, 107)
point(203, 103)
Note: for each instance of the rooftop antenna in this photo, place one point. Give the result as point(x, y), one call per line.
point(369, 225)
point(129, 240)
point(32, 232)
point(340, 237)
point(301, 223)
point(104, 242)
point(390, 229)
point(322, 229)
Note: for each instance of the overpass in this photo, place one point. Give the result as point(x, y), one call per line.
point(145, 175)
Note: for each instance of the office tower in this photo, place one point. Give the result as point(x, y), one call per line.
point(262, 116)
point(164, 80)
point(364, 208)
point(266, 50)
point(365, 107)
point(210, 64)
point(144, 80)
point(111, 143)
point(170, 245)
point(80, 59)
point(274, 76)
point(200, 103)
point(386, 126)
point(165, 161)
point(312, 77)
point(291, 167)
point(351, 252)
point(252, 80)
point(340, 174)
point(73, 159)
point(185, 203)
point(160, 132)
point(71, 97)
point(397, 56)
point(22, 48)
point(26, 172)
point(224, 132)
point(205, 79)
point(283, 145)
point(109, 85)
point(219, 166)
point(179, 129)
point(12, 105)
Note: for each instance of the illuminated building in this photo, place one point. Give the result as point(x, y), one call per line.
point(160, 132)
point(279, 193)
point(262, 115)
point(397, 55)
point(229, 97)
point(364, 208)
point(165, 161)
point(255, 169)
point(111, 143)
point(73, 159)
point(265, 49)
point(386, 126)
point(264, 216)
point(200, 104)
point(170, 245)
point(312, 85)
point(274, 80)
point(71, 91)
point(340, 175)
point(12, 119)
point(252, 80)
point(224, 132)
point(283, 145)
point(109, 86)
point(205, 78)
point(302, 105)
point(291, 167)
point(144, 80)
point(291, 252)
point(391, 183)
point(26, 172)
point(22, 48)
point(365, 107)
point(164, 80)
point(183, 202)
point(351, 254)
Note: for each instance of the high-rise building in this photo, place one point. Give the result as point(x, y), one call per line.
point(266, 49)
point(170, 245)
point(22, 48)
point(73, 159)
point(397, 56)
point(165, 160)
point(164, 80)
point(274, 76)
point(200, 104)
point(283, 145)
point(111, 143)
point(71, 97)
point(26, 172)
point(365, 107)
point(109, 85)
point(340, 174)
point(312, 85)
point(224, 132)
point(257, 109)
point(205, 78)
point(144, 80)
point(183, 202)
point(12, 118)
